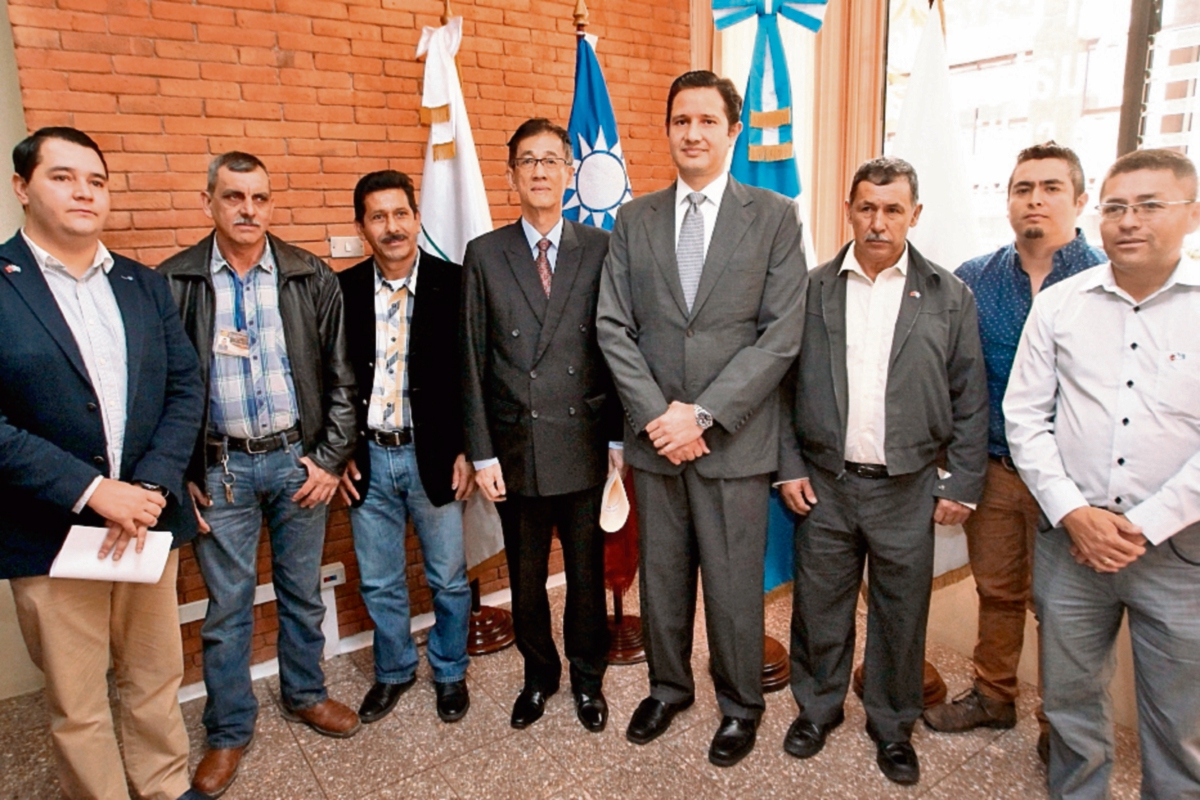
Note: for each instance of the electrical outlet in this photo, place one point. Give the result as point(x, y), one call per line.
point(345, 247)
point(333, 575)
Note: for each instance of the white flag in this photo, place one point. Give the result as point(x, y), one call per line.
point(927, 138)
point(947, 233)
point(454, 206)
point(454, 210)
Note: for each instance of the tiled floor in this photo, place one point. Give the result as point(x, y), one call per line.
point(411, 754)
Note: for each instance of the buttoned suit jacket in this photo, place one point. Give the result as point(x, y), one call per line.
point(434, 372)
point(536, 391)
point(936, 396)
point(730, 352)
point(52, 440)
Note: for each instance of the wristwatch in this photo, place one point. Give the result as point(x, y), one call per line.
point(154, 487)
point(704, 420)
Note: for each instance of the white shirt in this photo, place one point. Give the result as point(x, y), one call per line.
point(533, 237)
point(872, 308)
point(709, 207)
point(90, 309)
point(1103, 405)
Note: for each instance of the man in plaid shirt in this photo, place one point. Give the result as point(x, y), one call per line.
point(266, 320)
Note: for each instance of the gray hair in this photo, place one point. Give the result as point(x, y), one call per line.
point(235, 161)
point(885, 170)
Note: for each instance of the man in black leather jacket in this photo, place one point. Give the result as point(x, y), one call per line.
point(279, 426)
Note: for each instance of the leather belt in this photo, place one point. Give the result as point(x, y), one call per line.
point(1004, 461)
point(254, 447)
point(870, 471)
point(397, 438)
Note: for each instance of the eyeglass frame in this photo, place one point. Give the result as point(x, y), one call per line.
point(529, 163)
point(1138, 208)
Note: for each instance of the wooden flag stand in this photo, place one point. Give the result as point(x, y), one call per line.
point(491, 628)
point(625, 643)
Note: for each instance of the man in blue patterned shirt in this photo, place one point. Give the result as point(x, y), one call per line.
point(266, 319)
point(1045, 196)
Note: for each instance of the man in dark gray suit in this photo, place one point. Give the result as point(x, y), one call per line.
point(539, 410)
point(891, 377)
point(701, 311)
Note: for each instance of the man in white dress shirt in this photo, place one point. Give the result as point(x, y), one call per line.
point(1103, 417)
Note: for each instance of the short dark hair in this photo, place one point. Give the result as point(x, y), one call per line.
point(536, 127)
point(381, 181)
point(882, 171)
point(234, 161)
point(28, 152)
point(703, 79)
point(1180, 165)
point(1052, 149)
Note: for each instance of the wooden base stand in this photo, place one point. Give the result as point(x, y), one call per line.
point(935, 687)
point(777, 670)
point(491, 628)
point(625, 644)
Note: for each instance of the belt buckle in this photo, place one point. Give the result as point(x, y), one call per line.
point(250, 446)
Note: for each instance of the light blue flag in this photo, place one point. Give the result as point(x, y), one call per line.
point(764, 157)
point(600, 183)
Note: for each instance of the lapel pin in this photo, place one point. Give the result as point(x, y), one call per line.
point(126, 277)
point(914, 293)
point(11, 268)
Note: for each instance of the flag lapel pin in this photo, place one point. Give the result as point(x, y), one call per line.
point(915, 293)
point(11, 268)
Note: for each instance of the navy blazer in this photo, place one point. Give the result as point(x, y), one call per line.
point(52, 443)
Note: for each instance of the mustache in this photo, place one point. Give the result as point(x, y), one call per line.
point(246, 221)
point(876, 237)
point(393, 238)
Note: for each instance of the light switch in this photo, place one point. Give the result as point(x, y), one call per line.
point(345, 247)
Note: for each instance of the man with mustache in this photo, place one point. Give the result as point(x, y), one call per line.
point(403, 346)
point(266, 319)
point(1103, 416)
point(1045, 196)
point(890, 376)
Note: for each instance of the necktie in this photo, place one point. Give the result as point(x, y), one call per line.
point(393, 410)
point(689, 253)
point(543, 265)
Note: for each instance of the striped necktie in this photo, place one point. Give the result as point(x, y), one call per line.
point(689, 253)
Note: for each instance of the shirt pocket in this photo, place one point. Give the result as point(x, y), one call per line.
point(1178, 383)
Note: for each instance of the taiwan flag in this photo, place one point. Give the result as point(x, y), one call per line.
point(600, 183)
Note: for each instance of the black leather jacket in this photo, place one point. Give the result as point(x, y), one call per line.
point(310, 302)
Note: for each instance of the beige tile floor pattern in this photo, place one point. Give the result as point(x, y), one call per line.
point(411, 754)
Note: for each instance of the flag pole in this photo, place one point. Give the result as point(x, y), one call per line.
point(580, 15)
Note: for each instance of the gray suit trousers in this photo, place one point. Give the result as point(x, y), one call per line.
point(689, 522)
point(888, 523)
point(1081, 611)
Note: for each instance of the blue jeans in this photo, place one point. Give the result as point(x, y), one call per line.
point(394, 492)
point(263, 485)
point(1080, 611)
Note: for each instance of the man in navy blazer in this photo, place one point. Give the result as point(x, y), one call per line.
point(100, 402)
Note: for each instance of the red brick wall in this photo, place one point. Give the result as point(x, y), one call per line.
point(323, 91)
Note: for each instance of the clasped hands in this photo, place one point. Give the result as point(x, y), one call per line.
point(676, 436)
point(1102, 540)
point(129, 511)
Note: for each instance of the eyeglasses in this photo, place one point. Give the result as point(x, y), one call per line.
point(1114, 212)
point(528, 163)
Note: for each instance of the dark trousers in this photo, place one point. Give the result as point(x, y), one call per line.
point(529, 523)
point(719, 527)
point(888, 523)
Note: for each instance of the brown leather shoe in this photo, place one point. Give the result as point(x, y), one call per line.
point(970, 710)
point(218, 769)
point(328, 718)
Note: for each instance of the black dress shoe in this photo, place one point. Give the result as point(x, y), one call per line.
point(592, 710)
point(733, 742)
point(530, 705)
point(652, 718)
point(453, 700)
point(805, 739)
point(381, 699)
point(898, 762)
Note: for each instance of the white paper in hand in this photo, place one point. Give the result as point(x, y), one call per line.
point(77, 558)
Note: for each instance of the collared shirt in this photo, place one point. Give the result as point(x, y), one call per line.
point(1004, 294)
point(872, 308)
point(533, 237)
point(1103, 405)
point(250, 397)
point(393, 325)
point(91, 311)
point(713, 193)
